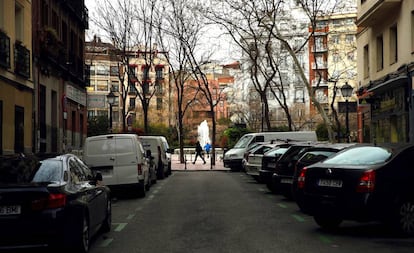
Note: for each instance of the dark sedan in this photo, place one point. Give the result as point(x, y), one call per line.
point(362, 183)
point(282, 177)
point(51, 202)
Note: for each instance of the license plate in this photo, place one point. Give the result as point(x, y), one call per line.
point(286, 181)
point(10, 210)
point(330, 183)
point(271, 165)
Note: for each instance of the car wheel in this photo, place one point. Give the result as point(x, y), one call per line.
point(82, 243)
point(106, 225)
point(328, 223)
point(141, 190)
point(271, 187)
point(404, 217)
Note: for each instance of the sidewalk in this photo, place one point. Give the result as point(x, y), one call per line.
point(198, 166)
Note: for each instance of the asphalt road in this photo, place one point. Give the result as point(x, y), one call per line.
point(217, 211)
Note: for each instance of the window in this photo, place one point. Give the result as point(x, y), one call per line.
point(102, 85)
point(412, 31)
point(299, 96)
point(159, 103)
point(19, 21)
point(366, 61)
point(336, 57)
point(380, 53)
point(115, 86)
point(18, 129)
point(1, 16)
point(350, 38)
point(159, 72)
point(335, 39)
point(393, 44)
point(132, 103)
point(114, 70)
point(102, 70)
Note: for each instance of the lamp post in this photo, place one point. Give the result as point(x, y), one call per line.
point(111, 100)
point(346, 91)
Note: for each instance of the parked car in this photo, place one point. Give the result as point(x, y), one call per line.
point(310, 156)
point(56, 201)
point(371, 182)
point(253, 161)
point(269, 161)
point(122, 161)
point(246, 154)
point(159, 151)
point(233, 157)
point(282, 175)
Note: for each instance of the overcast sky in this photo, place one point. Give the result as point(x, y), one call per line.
point(223, 51)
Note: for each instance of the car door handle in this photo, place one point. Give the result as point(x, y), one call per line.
point(112, 158)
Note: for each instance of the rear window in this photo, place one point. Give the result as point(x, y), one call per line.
point(361, 156)
point(17, 169)
point(277, 151)
point(49, 171)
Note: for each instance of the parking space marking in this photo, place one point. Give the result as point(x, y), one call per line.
point(120, 226)
point(138, 208)
point(298, 217)
point(282, 205)
point(151, 196)
point(129, 217)
point(106, 242)
point(262, 190)
point(325, 239)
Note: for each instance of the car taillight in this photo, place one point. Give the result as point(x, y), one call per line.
point(366, 182)
point(54, 200)
point(301, 178)
point(139, 169)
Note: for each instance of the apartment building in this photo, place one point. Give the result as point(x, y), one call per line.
point(60, 115)
point(333, 63)
point(16, 79)
point(103, 64)
point(385, 70)
point(144, 83)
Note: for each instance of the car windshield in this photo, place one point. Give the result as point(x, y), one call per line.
point(277, 151)
point(243, 142)
point(49, 171)
point(361, 156)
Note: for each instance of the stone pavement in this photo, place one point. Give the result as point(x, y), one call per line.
point(198, 166)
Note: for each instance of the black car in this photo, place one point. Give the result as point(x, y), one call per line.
point(51, 202)
point(269, 161)
point(282, 176)
point(362, 183)
point(310, 156)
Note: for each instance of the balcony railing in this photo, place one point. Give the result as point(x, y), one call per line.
point(21, 60)
point(372, 12)
point(4, 50)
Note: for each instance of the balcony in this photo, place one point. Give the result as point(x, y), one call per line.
point(4, 50)
point(319, 83)
point(21, 60)
point(319, 65)
point(371, 12)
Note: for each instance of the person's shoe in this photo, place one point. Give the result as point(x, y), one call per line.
point(193, 162)
point(204, 162)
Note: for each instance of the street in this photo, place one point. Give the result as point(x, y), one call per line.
point(218, 211)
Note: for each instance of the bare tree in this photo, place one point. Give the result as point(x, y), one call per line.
point(252, 22)
point(180, 24)
point(130, 26)
point(177, 35)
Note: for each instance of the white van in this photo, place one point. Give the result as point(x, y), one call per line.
point(157, 144)
point(233, 157)
point(121, 160)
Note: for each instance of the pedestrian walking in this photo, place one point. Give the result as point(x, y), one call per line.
point(199, 153)
point(207, 148)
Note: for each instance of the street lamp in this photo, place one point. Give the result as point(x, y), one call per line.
point(111, 100)
point(346, 91)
